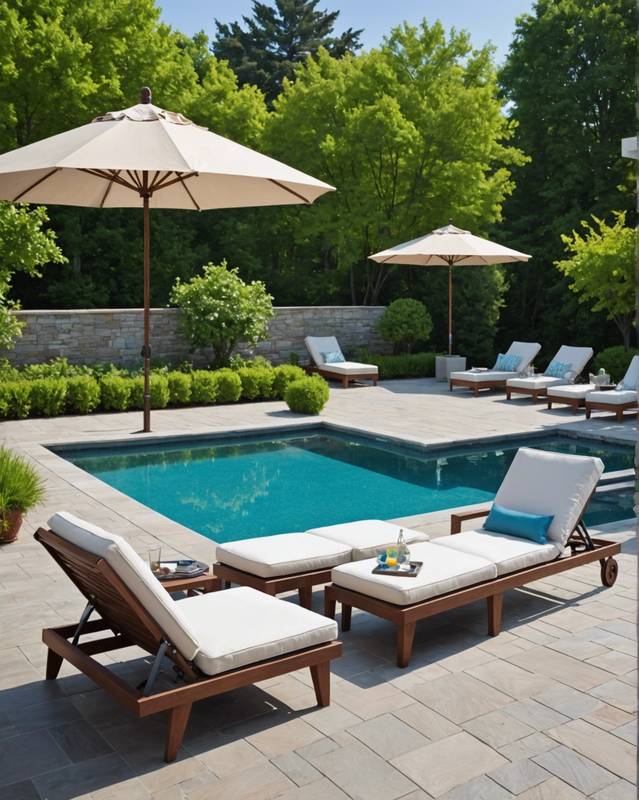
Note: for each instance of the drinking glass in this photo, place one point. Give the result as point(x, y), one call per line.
point(155, 557)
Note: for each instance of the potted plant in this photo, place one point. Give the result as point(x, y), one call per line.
point(21, 488)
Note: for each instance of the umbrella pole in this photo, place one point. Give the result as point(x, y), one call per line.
point(450, 308)
point(146, 350)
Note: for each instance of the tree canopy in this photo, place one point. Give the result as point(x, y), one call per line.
point(276, 39)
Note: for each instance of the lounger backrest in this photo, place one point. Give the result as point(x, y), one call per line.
point(526, 351)
point(577, 357)
point(631, 378)
point(316, 345)
point(539, 482)
point(134, 572)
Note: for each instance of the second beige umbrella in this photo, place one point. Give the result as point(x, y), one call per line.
point(146, 157)
point(449, 246)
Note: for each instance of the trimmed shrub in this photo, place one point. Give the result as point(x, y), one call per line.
point(284, 375)
point(308, 395)
point(228, 386)
point(83, 394)
point(615, 360)
point(17, 400)
point(179, 388)
point(48, 396)
point(158, 387)
point(405, 322)
point(203, 387)
point(257, 382)
point(116, 392)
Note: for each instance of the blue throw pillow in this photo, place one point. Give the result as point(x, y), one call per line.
point(518, 523)
point(557, 369)
point(333, 358)
point(506, 363)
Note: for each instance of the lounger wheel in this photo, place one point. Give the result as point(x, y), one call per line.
point(609, 571)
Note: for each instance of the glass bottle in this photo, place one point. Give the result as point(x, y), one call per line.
point(403, 553)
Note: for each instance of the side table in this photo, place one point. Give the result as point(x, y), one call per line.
point(444, 365)
point(200, 584)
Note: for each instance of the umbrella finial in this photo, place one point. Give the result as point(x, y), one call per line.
point(145, 95)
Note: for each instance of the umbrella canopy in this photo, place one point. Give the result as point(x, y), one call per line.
point(147, 157)
point(449, 246)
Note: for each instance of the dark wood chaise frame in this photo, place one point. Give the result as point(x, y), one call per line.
point(614, 408)
point(128, 623)
point(575, 403)
point(584, 551)
point(345, 379)
point(534, 393)
point(474, 386)
point(303, 582)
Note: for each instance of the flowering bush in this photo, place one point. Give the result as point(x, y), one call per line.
point(219, 310)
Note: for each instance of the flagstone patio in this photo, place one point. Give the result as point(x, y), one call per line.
point(546, 711)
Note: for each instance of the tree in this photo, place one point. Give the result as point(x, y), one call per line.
point(601, 267)
point(277, 38)
point(569, 81)
point(412, 134)
point(406, 322)
point(219, 310)
point(24, 246)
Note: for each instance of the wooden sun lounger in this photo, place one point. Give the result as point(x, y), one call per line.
point(128, 623)
point(584, 551)
point(345, 378)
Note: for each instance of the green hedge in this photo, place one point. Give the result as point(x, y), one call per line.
point(307, 395)
point(415, 365)
point(60, 388)
point(615, 360)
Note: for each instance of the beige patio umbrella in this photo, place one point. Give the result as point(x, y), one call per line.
point(146, 157)
point(449, 246)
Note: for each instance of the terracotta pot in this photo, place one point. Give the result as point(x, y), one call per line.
point(10, 522)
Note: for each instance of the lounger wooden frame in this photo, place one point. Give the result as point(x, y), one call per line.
point(303, 582)
point(406, 617)
point(345, 379)
point(129, 624)
point(614, 408)
point(534, 393)
point(575, 403)
point(474, 386)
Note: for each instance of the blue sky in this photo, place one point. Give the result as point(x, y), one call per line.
point(485, 19)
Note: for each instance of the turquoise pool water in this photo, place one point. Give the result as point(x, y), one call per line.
point(236, 489)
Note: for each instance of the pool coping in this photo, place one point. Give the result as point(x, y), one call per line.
point(176, 536)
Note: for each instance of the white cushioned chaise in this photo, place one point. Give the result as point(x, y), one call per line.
point(319, 346)
point(464, 567)
point(575, 357)
point(217, 642)
point(618, 400)
point(493, 378)
point(216, 631)
point(270, 560)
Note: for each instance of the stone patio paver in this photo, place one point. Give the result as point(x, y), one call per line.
point(465, 708)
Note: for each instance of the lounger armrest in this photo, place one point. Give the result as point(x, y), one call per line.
point(457, 519)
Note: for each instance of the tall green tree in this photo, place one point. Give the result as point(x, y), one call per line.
point(569, 80)
point(412, 134)
point(277, 38)
point(600, 264)
point(25, 245)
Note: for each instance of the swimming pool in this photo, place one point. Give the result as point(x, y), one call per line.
point(229, 489)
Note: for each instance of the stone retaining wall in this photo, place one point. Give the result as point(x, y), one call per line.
point(115, 335)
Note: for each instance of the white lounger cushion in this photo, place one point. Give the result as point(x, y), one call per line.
point(573, 391)
point(539, 482)
point(367, 536)
point(536, 382)
point(507, 553)
point(350, 368)
point(283, 554)
point(613, 397)
point(243, 626)
point(316, 345)
point(134, 572)
point(485, 376)
point(631, 378)
point(444, 571)
point(526, 350)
